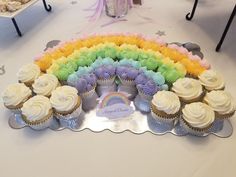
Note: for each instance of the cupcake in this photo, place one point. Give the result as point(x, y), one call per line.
point(127, 74)
point(165, 106)
point(221, 102)
point(66, 103)
point(45, 84)
point(105, 75)
point(189, 90)
point(146, 87)
point(28, 73)
point(37, 112)
point(197, 118)
point(86, 85)
point(15, 95)
point(211, 80)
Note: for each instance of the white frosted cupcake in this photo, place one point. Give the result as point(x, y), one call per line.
point(28, 73)
point(15, 95)
point(189, 90)
point(165, 106)
point(66, 102)
point(197, 118)
point(45, 84)
point(37, 112)
point(221, 102)
point(211, 80)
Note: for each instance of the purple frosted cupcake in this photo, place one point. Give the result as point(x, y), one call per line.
point(127, 75)
point(105, 75)
point(85, 85)
point(146, 89)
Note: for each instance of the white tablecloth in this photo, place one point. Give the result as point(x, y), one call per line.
point(47, 153)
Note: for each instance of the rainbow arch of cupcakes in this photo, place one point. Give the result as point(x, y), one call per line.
point(150, 52)
point(154, 61)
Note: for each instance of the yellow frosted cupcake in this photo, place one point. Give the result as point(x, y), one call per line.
point(37, 112)
point(197, 118)
point(66, 102)
point(165, 106)
point(189, 90)
point(28, 73)
point(15, 95)
point(221, 102)
point(211, 80)
point(45, 84)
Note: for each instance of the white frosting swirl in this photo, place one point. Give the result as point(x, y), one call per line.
point(220, 101)
point(16, 94)
point(187, 88)
point(166, 101)
point(198, 115)
point(36, 108)
point(45, 84)
point(64, 98)
point(211, 80)
point(28, 73)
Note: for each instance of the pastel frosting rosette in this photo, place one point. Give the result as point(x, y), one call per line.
point(106, 50)
point(165, 106)
point(221, 102)
point(105, 71)
point(37, 112)
point(85, 82)
point(212, 80)
point(126, 72)
point(197, 118)
point(15, 95)
point(66, 102)
point(28, 73)
point(45, 84)
point(189, 90)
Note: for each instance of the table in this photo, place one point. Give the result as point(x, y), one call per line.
point(25, 6)
point(190, 15)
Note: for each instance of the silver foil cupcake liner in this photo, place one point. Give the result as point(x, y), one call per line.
point(169, 124)
point(144, 96)
point(89, 100)
point(142, 104)
point(16, 111)
point(170, 121)
point(192, 131)
point(43, 125)
point(73, 115)
point(105, 89)
point(73, 123)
